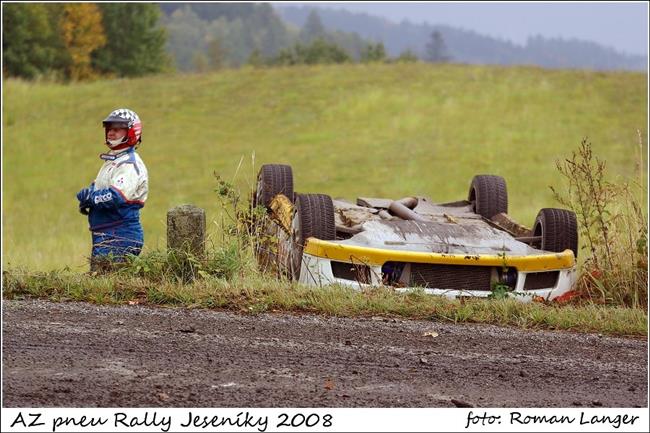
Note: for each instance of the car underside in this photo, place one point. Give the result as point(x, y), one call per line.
point(464, 248)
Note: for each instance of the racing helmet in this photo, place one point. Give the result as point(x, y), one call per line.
point(123, 118)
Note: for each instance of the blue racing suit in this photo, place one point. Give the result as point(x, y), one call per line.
point(113, 202)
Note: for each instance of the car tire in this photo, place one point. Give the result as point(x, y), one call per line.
point(488, 195)
point(558, 229)
point(313, 217)
point(273, 179)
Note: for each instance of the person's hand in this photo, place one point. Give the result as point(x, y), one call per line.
point(84, 197)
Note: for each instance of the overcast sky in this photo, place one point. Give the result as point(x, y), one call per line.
point(623, 26)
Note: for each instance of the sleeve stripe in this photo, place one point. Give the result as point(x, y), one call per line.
point(126, 199)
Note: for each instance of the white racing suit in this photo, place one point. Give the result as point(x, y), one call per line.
point(117, 195)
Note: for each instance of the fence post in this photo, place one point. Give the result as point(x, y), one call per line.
point(186, 229)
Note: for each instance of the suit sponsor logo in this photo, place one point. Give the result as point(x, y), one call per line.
point(104, 197)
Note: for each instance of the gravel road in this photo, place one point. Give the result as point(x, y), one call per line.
point(84, 355)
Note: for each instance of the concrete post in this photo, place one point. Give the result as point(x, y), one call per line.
point(186, 229)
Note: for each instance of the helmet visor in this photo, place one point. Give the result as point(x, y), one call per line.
point(116, 124)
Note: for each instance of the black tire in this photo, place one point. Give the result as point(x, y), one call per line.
point(314, 217)
point(273, 179)
point(488, 195)
point(558, 229)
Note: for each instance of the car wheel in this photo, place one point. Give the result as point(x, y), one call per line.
point(558, 230)
point(273, 179)
point(488, 195)
point(313, 217)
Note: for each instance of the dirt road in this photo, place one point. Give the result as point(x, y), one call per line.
point(82, 355)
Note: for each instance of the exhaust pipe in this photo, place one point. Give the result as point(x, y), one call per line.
point(401, 210)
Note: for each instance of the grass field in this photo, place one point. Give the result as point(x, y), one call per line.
point(353, 130)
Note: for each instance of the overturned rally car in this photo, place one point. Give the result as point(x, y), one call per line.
point(463, 248)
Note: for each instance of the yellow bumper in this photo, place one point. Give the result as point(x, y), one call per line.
point(378, 256)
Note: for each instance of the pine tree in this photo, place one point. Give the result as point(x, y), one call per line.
point(436, 49)
point(136, 43)
point(82, 32)
point(313, 28)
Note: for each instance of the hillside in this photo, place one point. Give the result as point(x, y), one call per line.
point(371, 130)
point(466, 46)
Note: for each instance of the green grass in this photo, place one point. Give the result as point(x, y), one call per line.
point(350, 130)
point(256, 294)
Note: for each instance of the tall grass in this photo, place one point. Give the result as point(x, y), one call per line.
point(613, 223)
point(256, 293)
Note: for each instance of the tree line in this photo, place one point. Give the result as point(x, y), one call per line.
point(78, 41)
point(211, 36)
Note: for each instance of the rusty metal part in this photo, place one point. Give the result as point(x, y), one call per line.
point(353, 230)
point(505, 222)
point(450, 218)
point(377, 203)
point(282, 211)
point(352, 217)
point(385, 215)
point(404, 212)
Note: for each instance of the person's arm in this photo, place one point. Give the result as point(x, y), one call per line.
point(122, 191)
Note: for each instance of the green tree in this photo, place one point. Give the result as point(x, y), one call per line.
point(136, 43)
point(406, 57)
point(374, 52)
point(30, 43)
point(319, 51)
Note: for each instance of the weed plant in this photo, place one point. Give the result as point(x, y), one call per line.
point(613, 225)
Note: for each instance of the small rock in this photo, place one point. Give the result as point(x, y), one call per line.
point(355, 372)
point(163, 396)
point(423, 361)
point(188, 330)
point(600, 335)
point(348, 343)
point(576, 403)
point(597, 403)
point(345, 396)
point(522, 373)
point(632, 388)
point(119, 323)
point(461, 403)
point(501, 376)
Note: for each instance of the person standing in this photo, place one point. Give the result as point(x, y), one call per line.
point(113, 201)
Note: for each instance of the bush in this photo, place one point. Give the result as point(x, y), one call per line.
point(613, 228)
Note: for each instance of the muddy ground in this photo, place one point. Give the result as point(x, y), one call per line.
point(83, 355)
